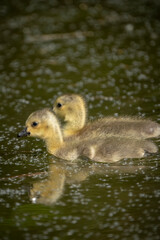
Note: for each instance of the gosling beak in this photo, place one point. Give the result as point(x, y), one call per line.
point(23, 133)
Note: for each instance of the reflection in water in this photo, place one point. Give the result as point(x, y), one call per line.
point(49, 191)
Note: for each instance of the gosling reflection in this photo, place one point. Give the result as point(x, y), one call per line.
point(50, 190)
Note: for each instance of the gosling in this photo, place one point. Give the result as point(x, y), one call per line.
point(72, 110)
point(44, 124)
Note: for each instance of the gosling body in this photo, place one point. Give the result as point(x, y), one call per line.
point(72, 109)
point(44, 125)
point(123, 127)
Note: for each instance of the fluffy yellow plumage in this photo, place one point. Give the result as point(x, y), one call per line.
point(44, 125)
point(73, 111)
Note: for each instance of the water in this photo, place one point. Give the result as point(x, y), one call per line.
point(108, 52)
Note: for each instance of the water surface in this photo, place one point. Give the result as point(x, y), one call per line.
point(109, 52)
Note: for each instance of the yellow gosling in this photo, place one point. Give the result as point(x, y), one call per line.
point(44, 125)
point(72, 109)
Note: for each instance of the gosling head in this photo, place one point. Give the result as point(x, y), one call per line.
point(40, 124)
point(67, 106)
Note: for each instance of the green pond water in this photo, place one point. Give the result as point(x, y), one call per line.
point(108, 51)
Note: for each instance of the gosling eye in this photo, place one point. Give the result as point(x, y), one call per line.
point(59, 105)
point(34, 124)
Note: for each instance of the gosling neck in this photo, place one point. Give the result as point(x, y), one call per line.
point(54, 139)
point(74, 122)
